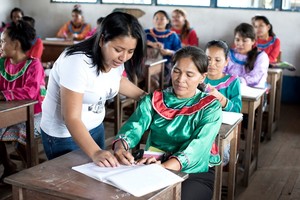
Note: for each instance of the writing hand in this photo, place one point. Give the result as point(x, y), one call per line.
point(105, 159)
point(125, 157)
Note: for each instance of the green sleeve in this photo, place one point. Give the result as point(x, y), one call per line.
point(194, 154)
point(133, 130)
point(234, 99)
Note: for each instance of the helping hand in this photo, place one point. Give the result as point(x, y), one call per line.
point(104, 158)
point(123, 156)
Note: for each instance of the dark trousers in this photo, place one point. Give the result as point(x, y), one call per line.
point(199, 186)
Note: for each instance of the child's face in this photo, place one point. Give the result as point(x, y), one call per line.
point(7, 46)
point(216, 61)
point(76, 18)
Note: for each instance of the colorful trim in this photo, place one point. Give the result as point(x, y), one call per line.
point(70, 27)
point(12, 77)
point(160, 36)
point(234, 59)
point(170, 113)
point(266, 45)
point(226, 83)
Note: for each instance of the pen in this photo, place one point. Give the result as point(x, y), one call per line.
point(124, 145)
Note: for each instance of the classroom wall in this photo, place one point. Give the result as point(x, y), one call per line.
point(209, 23)
point(5, 8)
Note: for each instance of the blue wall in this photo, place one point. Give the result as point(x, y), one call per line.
point(291, 89)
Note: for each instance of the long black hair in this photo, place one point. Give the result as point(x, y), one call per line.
point(23, 32)
point(220, 44)
point(168, 25)
point(247, 31)
point(116, 24)
point(266, 21)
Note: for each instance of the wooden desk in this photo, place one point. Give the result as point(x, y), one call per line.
point(52, 49)
point(55, 180)
point(249, 106)
point(227, 134)
point(15, 112)
point(275, 80)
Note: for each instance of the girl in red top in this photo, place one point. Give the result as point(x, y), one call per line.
point(182, 27)
point(266, 38)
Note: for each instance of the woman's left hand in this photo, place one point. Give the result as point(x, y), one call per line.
point(147, 161)
point(166, 52)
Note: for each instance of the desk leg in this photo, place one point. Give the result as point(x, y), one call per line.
point(218, 172)
point(277, 101)
point(258, 131)
point(31, 148)
point(232, 163)
point(272, 95)
point(248, 144)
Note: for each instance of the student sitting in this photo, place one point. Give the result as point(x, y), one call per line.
point(162, 38)
point(16, 14)
point(76, 29)
point(245, 60)
point(183, 123)
point(181, 26)
point(265, 37)
point(37, 48)
point(21, 78)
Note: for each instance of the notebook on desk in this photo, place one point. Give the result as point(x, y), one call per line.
point(251, 92)
point(137, 180)
point(231, 117)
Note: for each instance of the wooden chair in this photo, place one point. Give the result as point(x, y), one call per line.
point(155, 74)
point(118, 109)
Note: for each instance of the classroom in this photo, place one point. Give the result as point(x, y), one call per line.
point(266, 164)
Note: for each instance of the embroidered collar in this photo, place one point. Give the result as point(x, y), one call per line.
point(70, 28)
point(266, 45)
point(163, 34)
point(170, 113)
point(12, 77)
point(235, 59)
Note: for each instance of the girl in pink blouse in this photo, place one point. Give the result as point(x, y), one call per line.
point(21, 78)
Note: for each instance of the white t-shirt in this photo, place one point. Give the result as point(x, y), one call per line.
point(77, 73)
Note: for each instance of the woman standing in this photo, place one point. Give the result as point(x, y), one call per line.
point(80, 82)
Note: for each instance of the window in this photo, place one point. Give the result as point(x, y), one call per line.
point(184, 2)
point(128, 1)
point(265, 4)
point(291, 5)
point(75, 1)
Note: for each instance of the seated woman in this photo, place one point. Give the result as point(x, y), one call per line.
point(224, 87)
point(76, 29)
point(21, 78)
point(37, 47)
point(16, 14)
point(245, 60)
point(162, 38)
point(181, 26)
point(265, 37)
point(183, 122)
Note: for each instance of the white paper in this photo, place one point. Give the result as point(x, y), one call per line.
point(231, 117)
point(54, 39)
point(251, 92)
point(137, 180)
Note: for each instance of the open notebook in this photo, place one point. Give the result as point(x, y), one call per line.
point(137, 180)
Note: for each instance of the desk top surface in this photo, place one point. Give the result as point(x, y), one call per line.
point(226, 129)
point(55, 177)
point(12, 105)
point(58, 42)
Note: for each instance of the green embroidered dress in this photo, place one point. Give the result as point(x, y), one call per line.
point(184, 127)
